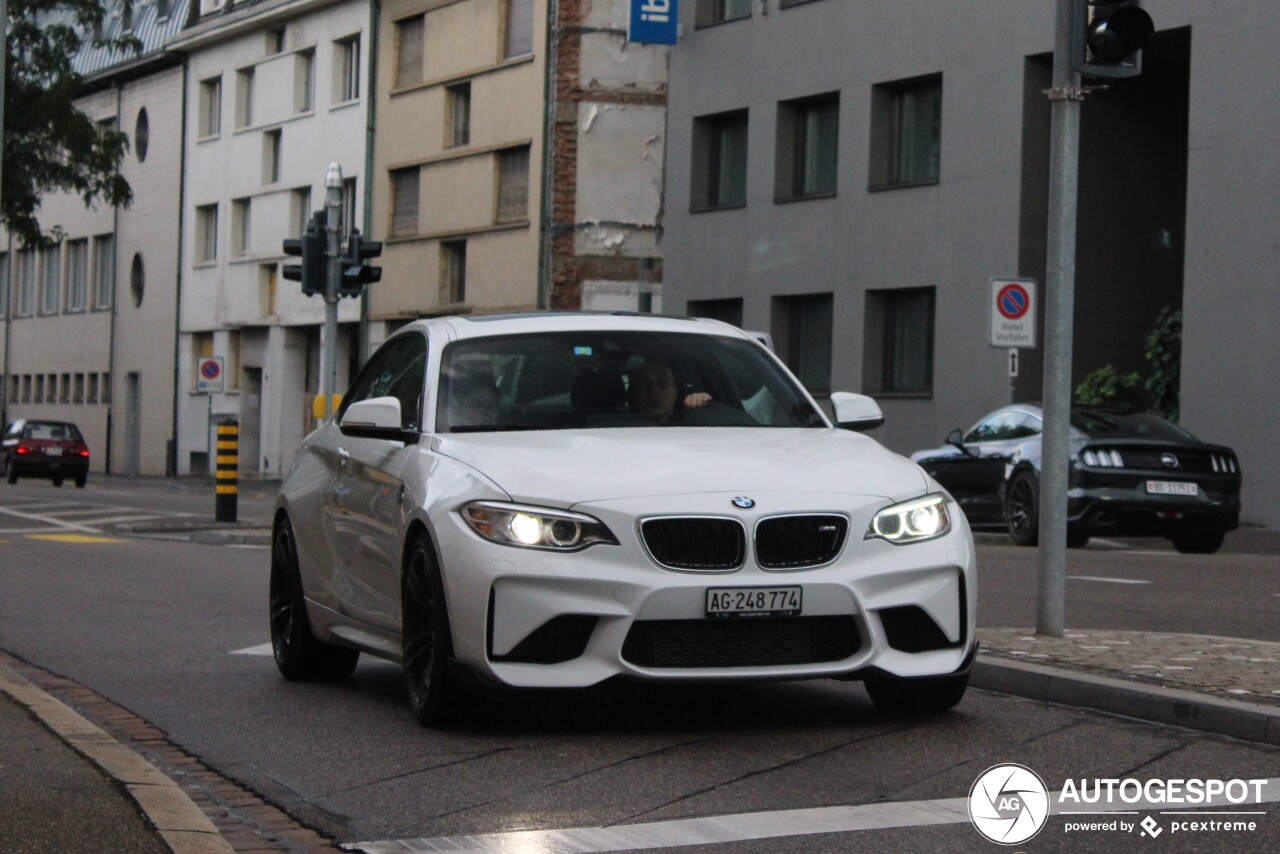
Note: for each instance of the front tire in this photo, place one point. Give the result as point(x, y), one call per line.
point(298, 655)
point(426, 641)
point(1022, 509)
point(1199, 542)
point(928, 695)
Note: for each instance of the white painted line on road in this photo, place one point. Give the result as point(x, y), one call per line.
point(1108, 580)
point(741, 827)
point(48, 520)
point(260, 649)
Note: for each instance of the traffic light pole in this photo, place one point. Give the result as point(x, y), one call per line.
point(332, 283)
point(1064, 171)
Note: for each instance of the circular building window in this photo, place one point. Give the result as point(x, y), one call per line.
point(137, 277)
point(141, 135)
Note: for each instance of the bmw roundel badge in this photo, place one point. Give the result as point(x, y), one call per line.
point(744, 503)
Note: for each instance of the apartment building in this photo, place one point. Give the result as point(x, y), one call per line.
point(276, 90)
point(89, 321)
point(518, 159)
point(850, 176)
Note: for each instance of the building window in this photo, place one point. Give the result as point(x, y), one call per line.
point(271, 142)
point(347, 67)
point(240, 227)
point(906, 133)
point(719, 161)
point(39, 396)
point(104, 271)
point(808, 140)
point(77, 275)
point(518, 36)
point(26, 282)
point(453, 270)
point(717, 11)
point(727, 310)
point(137, 280)
point(64, 389)
point(410, 34)
point(26, 388)
point(92, 396)
point(4, 286)
point(458, 121)
point(404, 201)
point(513, 185)
point(349, 199)
point(206, 234)
point(898, 341)
point(299, 211)
point(141, 135)
point(50, 279)
point(267, 282)
point(275, 41)
point(802, 327)
point(304, 81)
point(211, 107)
point(244, 97)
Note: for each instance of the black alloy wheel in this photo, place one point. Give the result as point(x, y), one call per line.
point(1198, 542)
point(298, 655)
point(928, 695)
point(426, 641)
point(1022, 509)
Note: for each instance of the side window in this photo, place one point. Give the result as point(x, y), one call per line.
point(397, 370)
point(997, 428)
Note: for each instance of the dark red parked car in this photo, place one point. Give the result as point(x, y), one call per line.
point(46, 449)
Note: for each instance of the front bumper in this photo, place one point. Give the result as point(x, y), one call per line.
point(544, 619)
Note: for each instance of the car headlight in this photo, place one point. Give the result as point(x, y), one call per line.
point(911, 521)
point(535, 527)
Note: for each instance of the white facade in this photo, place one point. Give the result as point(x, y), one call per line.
point(93, 339)
point(275, 93)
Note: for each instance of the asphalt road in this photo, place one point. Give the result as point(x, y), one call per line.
point(173, 632)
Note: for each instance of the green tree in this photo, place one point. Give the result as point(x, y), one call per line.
point(49, 144)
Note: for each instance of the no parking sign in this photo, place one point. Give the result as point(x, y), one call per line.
point(209, 374)
point(1013, 313)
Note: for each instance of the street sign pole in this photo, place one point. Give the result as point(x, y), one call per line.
point(332, 282)
point(1064, 169)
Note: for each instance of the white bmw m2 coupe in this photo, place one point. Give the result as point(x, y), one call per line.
point(553, 500)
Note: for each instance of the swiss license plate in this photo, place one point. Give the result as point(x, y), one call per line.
point(1169, 487)
point(753, 601)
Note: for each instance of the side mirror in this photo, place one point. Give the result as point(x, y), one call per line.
point(855, 411)
point(956, 440)
point(376, 418)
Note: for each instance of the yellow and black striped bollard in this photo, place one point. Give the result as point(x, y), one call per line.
point(227, 472)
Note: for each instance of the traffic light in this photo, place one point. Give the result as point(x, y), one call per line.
point(1108, 37)
point(311, 248)
point(355, 273)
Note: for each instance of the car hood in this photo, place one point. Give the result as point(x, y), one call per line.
point(564, 468)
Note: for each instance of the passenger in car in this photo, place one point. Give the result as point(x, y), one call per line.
point(473, 399)
point(652, 391)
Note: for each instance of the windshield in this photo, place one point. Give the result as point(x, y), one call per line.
point(571, 380)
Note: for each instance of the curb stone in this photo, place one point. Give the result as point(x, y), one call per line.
point(1246, 721)
point(180, 823)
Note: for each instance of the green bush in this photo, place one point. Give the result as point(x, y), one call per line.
point(1158, 391)
point(1107, 387)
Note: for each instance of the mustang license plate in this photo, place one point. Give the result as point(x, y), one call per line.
point(1169, 487)
point(753, 601)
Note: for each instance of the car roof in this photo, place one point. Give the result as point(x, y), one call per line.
point(487, 325)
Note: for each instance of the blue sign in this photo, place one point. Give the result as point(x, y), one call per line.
point(653, 21)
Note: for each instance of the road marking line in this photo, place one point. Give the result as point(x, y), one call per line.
point(49, 520)
point(260, 649)
point(742, 827)
point(72, 538)
point(1108, 580)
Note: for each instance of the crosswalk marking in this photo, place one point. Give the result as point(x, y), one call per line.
point(74, 516)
